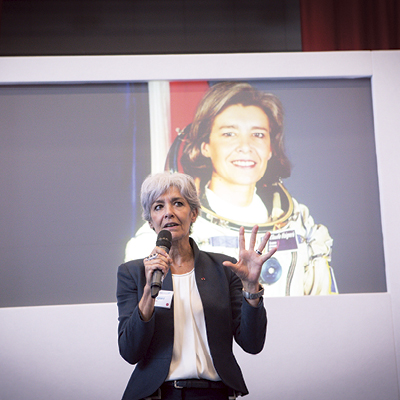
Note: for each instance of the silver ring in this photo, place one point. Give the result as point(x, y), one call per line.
point(152, 256)
point(258, 252)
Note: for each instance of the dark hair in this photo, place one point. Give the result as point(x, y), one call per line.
point(217, 99)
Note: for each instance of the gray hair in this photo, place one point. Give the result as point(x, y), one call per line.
point(156, 185)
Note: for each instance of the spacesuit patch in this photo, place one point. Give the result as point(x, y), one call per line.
point(283, 240)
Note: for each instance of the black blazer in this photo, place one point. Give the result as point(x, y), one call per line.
point(227, 315)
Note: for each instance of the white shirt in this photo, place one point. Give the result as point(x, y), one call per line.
point(191, 357)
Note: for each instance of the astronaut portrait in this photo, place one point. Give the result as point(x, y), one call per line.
point(234, 149)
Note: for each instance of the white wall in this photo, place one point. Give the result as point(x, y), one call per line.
point(338, 347)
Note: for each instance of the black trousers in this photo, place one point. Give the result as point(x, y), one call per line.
point(169, 392)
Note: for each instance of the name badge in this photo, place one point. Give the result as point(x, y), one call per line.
point(285, 240)
point(164, 299)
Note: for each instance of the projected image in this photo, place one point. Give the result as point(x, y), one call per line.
point(234, 148)
point(296, 157)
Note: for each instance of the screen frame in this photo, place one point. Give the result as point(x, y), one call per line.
point(66, 70)
point(92, 69)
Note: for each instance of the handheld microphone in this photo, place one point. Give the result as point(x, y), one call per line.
point(164, 239)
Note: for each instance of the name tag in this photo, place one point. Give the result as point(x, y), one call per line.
point(164, 299)
point(285, 240)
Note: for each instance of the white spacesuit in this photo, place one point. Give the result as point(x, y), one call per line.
point(299, 267)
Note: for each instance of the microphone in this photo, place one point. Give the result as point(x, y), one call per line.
point(164, 239)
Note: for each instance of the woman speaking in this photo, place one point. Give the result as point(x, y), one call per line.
point(182, 340)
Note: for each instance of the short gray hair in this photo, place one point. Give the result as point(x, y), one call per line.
point(156, 185)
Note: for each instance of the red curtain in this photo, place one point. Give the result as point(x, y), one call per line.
point(328, 25)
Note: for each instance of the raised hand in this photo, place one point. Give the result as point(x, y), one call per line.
point(248, 267)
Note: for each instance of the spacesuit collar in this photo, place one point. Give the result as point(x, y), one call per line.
point(269, 195)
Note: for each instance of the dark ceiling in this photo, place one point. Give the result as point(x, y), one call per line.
point(83, 27)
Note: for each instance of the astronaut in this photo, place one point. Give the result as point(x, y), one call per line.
point(234, 150)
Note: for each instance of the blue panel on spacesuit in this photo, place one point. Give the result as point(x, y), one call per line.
point(226, 241)
point(271, 271)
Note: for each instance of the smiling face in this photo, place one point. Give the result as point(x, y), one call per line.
point(171, 211)
point(239, 146)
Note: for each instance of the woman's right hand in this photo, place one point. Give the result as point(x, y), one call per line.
point(157, 260)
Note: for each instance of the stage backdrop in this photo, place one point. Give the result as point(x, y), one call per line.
point(330, 347)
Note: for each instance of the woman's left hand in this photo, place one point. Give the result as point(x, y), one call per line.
point(248, 267)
